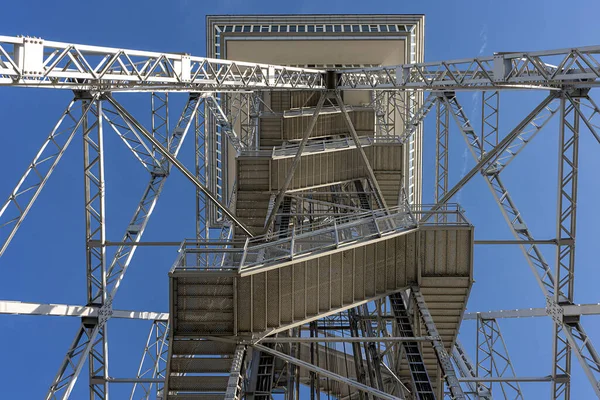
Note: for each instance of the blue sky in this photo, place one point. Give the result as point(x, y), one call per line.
point(45, 262)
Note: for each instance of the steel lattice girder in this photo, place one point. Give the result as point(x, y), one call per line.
point(74, 66)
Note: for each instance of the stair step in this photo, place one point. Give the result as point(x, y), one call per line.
point(206, 328)
point(198, 383)
point(202, 347)
point(204, 303)
point(201, 365)
point(197, 396)
point(206, 316)
point(201, 289)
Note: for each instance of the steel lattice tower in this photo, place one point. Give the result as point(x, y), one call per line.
point(315, 269)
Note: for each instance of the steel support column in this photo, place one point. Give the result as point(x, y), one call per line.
point(565, 252)
point(95, 226)
point(159, 114)
point(200, 162)
point(441, 159)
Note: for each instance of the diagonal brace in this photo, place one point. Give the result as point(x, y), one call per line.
point(167, 155)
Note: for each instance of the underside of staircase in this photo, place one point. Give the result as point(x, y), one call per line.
point(331, 250)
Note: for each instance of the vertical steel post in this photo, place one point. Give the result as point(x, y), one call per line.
point(95, 225)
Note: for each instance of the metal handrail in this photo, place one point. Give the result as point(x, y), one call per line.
point(301, 241)
point(319, 146)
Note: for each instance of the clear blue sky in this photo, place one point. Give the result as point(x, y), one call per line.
point(45, 262)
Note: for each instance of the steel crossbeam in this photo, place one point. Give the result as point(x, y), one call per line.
point(504, 70)
point(34, 62)
point(74, 66)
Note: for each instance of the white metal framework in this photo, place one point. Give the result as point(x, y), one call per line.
point(386, 343)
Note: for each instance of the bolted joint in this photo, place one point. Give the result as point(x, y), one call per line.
point(554, 310)
point(105, 312)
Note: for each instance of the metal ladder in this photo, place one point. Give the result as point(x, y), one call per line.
point(264, 376)
point(418, 373)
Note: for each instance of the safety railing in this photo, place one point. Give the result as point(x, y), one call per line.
point(320, 146)
point(299, 242)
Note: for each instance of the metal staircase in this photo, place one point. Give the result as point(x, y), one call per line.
point(421, 383)
point(311, 262)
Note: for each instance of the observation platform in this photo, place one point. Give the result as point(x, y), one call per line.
point(263, 285)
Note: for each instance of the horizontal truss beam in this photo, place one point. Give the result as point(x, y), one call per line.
point(35, 62)
point(571, 310)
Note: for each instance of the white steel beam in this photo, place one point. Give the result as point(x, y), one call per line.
point(34, 62)
point(70, 310)
point(501, 71)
